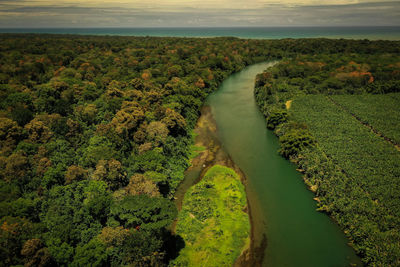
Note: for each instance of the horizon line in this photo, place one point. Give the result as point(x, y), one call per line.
point(211, 27)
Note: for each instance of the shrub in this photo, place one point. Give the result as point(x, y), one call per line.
point(295, 140)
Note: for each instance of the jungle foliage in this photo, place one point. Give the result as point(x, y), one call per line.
point(95, 137)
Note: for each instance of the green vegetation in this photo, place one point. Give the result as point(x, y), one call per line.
point(382, 112)
point(195, 150)
point(94, 140)
point(370, 167)
point(88, 123)
point(213, 222)
point(352, 170)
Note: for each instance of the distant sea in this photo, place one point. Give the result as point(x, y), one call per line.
point(371, 33)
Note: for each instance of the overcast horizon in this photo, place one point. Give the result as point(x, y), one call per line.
point(193, 27)
point(196, 13)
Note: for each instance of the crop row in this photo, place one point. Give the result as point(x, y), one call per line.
point(355, 175)
point(382, 112)
point(374, 163)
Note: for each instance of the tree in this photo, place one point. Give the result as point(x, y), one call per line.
point(91, 254)
point(62, 252)
point(59, 151)
point(42, 166)
point(75, 213)
point(35, 254)
point(21, 114)
point(99, 148)
point(174, 121)
point(139, 184)
point(54, 175)
point(128, 118)
point(157, 132)
point(295, 140)
point(14, 231)
point(142, 211)
point(75, 173)
point(87, 113)
point(142, 248)
point(111, 172)
point(17, 168)
point(38, 132)
point(276, 117)
point(175, 71)
point(113, 236)
point(200, 83)
point(151, 160)
point(10, 134)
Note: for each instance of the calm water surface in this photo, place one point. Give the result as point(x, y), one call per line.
point(368, 32)
point(297, 234)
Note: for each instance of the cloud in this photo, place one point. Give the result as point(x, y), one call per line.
point(177, 13)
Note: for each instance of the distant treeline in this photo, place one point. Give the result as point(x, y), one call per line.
point(95, 135)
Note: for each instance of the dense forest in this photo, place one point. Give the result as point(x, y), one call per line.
point(337, 118)
point(95, 135)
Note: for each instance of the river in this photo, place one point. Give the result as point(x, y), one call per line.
point(282, 207)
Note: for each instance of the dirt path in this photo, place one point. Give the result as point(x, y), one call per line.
point(288, 104)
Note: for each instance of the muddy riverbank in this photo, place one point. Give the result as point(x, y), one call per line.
point(213, 153)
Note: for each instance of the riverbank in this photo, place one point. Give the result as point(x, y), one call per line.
point(348, 163)
point(282, 208)
point(212, 153)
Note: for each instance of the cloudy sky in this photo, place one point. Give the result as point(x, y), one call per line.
point(197, 13)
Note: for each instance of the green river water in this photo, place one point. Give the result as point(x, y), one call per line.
point(282, 207)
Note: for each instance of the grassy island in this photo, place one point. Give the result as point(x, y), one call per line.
point(213, 221)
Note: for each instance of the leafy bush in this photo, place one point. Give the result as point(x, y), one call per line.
point(276, 117)
point(294, 141)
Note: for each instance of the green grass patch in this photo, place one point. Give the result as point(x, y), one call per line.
point(212, 221)
point(195, 151)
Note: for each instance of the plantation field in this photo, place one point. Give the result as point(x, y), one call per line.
point(372, 162)
point(382, 112)
point(212, 221)
point(342, 130)
point(355, 174)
